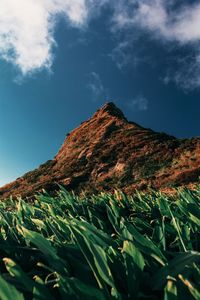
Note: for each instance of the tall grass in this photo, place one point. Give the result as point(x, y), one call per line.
point(104, 247)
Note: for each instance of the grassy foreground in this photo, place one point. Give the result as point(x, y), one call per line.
point(103, 247)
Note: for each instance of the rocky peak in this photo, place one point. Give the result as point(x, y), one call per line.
point(109, 109)
point(108, 152)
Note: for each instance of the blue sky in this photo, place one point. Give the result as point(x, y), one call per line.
point(62, 60)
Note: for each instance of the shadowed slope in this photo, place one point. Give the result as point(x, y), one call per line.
point(106, 152)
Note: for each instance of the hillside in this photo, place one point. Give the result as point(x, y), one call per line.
point(108, 151)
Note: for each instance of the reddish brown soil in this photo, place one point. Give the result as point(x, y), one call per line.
point(108, 152)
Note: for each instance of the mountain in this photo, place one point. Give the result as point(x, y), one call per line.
point(108, 152)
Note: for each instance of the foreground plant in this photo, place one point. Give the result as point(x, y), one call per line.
point(104, 247)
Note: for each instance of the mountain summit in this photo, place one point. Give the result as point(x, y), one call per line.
point(108, 152)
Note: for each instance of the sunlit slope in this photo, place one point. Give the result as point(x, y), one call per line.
point(106, 152)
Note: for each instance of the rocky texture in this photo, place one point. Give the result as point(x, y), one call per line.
point(108, 152)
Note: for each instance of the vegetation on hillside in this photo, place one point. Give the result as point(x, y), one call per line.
point(104, 247)
point(108, 152)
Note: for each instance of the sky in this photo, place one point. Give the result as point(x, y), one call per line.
point(60, 60)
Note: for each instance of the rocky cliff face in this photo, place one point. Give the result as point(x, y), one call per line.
point(108, 152)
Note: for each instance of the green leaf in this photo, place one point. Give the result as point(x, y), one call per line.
point(130, 249)
point(193, 290)
point(101, 263)
point(8, 291)
point(87, 291)
point(170, 290)
point(81, 241)
point(38, 240)
point(134, 266)
point(15, 271)
point(148, 246)
point(174, 267)
point(28, 284)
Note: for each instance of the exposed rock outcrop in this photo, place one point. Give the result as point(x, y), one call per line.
point(108, 152)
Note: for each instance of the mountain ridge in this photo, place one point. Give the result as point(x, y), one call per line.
point(107, 152)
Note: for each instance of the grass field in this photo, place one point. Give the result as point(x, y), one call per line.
point(104, 247)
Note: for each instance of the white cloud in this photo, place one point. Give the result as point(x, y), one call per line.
point(159, 16)
point(139, 103)
point(27, 29)
point(169, 24)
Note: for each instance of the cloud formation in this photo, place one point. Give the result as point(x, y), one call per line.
point(181, 24)
point(169, 23)
point(27, 29)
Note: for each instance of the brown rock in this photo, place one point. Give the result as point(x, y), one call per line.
point(107, 152)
